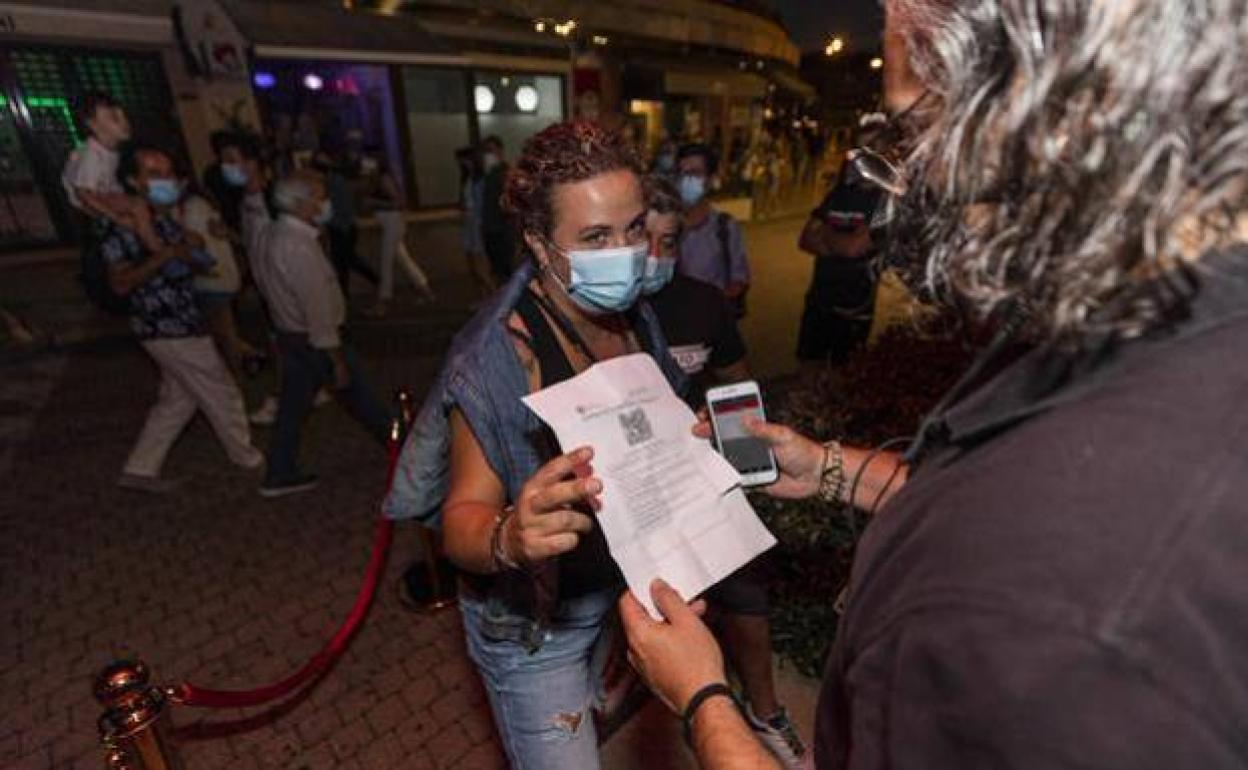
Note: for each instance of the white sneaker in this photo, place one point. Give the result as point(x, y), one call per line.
point(266, 414)
point(780, 737)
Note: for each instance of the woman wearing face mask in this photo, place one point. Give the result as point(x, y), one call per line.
point(516, 507)
point(382, 195)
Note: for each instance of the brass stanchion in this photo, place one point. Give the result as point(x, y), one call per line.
point(134, 725)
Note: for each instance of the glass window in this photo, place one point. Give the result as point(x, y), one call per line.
point(437, 115)
point(515, 107)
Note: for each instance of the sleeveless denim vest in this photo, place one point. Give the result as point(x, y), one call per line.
point(484, 379)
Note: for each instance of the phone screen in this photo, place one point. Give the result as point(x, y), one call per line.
point(746, 453)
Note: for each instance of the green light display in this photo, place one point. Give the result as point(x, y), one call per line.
point(60, 105)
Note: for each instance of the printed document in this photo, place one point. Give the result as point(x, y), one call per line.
point(672, 507)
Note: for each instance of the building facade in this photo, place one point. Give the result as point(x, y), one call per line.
point(418, 79)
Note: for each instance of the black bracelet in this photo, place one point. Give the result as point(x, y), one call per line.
point(700, 697)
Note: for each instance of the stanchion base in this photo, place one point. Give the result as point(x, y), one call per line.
point(420, 590)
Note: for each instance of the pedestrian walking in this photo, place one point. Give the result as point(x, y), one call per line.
point(308, 310)
point(381, 194)
point(168, 323)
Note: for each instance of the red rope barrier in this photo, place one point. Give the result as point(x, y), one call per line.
point(191, 695)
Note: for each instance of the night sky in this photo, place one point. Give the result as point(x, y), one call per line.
point(812, 22)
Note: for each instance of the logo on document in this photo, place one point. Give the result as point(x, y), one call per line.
point(636, 427)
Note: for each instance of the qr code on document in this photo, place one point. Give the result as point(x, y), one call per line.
point(636, 427)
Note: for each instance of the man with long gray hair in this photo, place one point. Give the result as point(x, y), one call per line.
point(1060, 581)
point(307, 308)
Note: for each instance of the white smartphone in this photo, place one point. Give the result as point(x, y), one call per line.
point(751, 457)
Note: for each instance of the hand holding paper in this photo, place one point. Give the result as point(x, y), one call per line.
point(671, 506)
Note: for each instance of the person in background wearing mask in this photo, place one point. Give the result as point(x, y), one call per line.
point(712, 249)
point(381, 194)
point(471, 202)
point(516, 509)
point(308, 311)
point(225, 179)
point(496, 231)
point(703, 338)
point(217, 286)
point(169, 326)
point(665, 160)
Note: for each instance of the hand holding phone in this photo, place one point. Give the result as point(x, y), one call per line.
point(728, 406)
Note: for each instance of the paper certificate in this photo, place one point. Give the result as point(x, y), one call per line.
point(672, 507)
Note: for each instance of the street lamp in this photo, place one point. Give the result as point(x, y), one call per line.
point(877, 63)
point(834, 46)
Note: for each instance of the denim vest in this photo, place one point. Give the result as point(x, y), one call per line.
point(484, 379)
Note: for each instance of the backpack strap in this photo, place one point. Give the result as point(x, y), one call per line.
point(725, 247)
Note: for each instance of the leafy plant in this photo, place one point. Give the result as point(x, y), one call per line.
point(881, 392)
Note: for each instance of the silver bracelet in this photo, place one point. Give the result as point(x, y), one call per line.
point(498, 552)
point(832, 481)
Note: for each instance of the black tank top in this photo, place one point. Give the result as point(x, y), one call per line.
point(589, 567)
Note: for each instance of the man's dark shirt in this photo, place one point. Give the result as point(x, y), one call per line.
point(700, 328)
point(1064, 580)
point(493, 217)
point(164, 306)
point(845, 285)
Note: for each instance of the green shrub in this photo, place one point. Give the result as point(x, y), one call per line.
point(881, 392)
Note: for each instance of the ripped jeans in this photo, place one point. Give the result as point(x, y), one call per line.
point(542, 701)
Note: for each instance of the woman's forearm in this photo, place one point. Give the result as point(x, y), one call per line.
point(468, 533)
point(880, 479)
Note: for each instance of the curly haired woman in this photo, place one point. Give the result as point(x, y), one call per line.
point(515, 507)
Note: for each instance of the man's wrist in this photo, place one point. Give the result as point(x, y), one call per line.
point(706, 700)
point(833, 483)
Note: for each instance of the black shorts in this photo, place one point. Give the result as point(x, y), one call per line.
point(744, 592)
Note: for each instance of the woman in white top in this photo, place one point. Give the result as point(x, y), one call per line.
point(216, 289)
point(383, 196)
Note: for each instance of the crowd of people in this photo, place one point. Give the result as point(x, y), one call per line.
point(173, 254)
point(1051, 575)
point(1048, 578)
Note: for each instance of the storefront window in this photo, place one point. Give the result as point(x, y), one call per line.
point(38, 130)
point(515, 107)
point(332, 107)
point(437, 116)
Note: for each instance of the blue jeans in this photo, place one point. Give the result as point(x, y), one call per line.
point(305, 370)
point(543, 701)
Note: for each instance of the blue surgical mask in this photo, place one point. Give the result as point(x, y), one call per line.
point(606, 280)
point(692, 189)
point(234, 175)
point(163, 192)
point(659, 272)
point(326, 213)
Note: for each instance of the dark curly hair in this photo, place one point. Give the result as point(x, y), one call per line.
point(1078, 155)
point(561, 154)
point(662, 197)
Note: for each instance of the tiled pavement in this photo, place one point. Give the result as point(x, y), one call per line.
point(211, 585)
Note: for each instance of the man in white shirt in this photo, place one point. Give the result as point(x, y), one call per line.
point(308, 311)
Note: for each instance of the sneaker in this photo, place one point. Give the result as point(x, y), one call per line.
point(323, 398)
point(281, 487)
point(780, 737)
point(153, 485)
point(267, 413)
